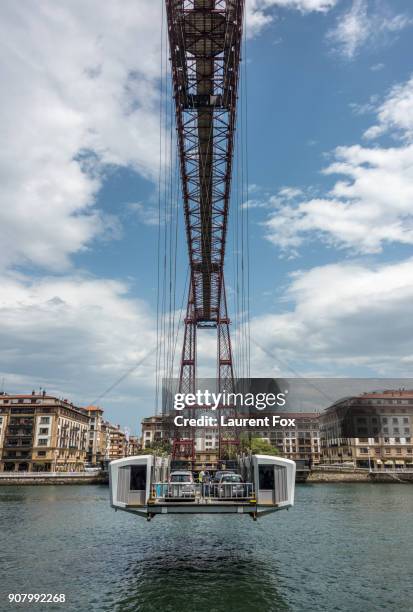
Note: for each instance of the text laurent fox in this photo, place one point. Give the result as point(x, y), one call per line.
point(208, 421)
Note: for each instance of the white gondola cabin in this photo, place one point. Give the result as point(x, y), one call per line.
point(143, 485)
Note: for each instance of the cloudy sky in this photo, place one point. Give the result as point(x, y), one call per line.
point(329, 115)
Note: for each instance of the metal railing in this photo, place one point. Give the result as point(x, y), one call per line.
point(338, 468)
point(228, 491)
point(326, 467)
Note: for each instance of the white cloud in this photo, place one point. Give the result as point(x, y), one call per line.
point(260, 12)
point(357, 26)
point(148, 215)
point(74, 335)
point(369, 206)
point(343, 316)
point(352, 29)
point(79, 91)
point(265, 200)
point(377, 67)
point(395, 113)
point(290, 192)
point(77, 336)
point(367, 107)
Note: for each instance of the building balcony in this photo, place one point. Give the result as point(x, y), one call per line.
point(19, 433)
point(16, 455)
point(16, 445)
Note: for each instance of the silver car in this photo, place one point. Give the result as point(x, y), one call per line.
point(181, 486)
point(230, 486)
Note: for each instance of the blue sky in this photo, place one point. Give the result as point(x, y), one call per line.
point(330, 158)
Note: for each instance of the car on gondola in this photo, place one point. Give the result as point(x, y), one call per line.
point(219, 473)
point(181, 486)
point(231, 485)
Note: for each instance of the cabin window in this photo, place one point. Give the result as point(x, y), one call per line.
point(138, 477)
point(266, 477)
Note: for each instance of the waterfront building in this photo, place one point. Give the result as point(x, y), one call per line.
point(96, 436)
point(206, 440)
point(155, 429)
point(116, 442)
point(3, 426)
point(371, 430)
point(105, 441)
point(207, 460)
point(299, 442)
point(133, 446)
point(40, 432)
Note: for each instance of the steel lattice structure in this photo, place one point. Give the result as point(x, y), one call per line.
point(205, 45)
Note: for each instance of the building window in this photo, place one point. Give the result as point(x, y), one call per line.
point(41, 453)
point(44, 420)
point(42, 442)
point(44, 431)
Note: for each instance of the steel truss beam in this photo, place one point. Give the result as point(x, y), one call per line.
point(205, 45)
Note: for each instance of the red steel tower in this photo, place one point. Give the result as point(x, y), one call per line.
point(205, 45)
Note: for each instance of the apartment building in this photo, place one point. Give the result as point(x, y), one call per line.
point(116, 443)
point(155, 429)
point(40, 432)
point(4, 417)
point(371, 430)
point(96, 441)
point(301, 442)
point(206, 440)
point(133, 446)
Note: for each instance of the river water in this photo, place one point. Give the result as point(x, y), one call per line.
point(346, 547)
